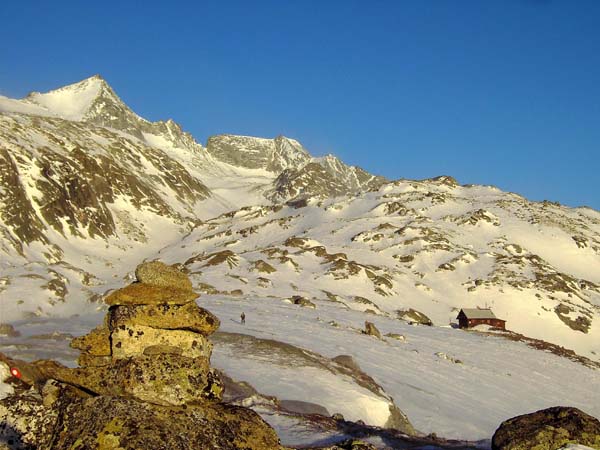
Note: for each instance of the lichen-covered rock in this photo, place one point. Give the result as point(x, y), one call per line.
point(144, 381)
point(158, 273)
point(87, 360)
point(116, 423)
point(148, 294)
point(163, 379)
point(109, 423)
point(166, 317)
point(132, 340)
point(162, 349)
point(24, 421)
point(95, 343)
point(548, 429)
point(167, 379)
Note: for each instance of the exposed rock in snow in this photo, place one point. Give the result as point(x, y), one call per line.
point(548, 429)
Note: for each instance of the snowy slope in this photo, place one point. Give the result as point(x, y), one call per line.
point(71, 102)
point(495, 380)
point(454, 383)
point(428, 246)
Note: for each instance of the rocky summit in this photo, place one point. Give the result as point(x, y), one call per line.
point(144, 381)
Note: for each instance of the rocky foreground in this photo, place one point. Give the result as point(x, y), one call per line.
point(144, 381)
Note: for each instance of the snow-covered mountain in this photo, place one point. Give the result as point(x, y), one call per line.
point(86, 182)
point(310, 245)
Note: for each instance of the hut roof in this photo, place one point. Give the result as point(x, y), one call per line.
point(476, 313)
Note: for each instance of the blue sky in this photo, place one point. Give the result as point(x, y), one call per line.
point(491, 92)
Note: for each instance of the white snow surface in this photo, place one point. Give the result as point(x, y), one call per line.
point(71, 102)
point(495, 380)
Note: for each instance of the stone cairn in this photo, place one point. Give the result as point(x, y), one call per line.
point(153, 344)
point(143, 381)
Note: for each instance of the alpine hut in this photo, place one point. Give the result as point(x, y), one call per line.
point(471, 317)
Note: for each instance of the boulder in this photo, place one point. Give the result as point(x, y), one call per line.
point(168, 379)
point(162, 379)
point(371, 330)
point(157, 273)
point(116, 423)
point(148, 294)
point(132, 340)
point(398, 337)
point(166, 317)
point(548, 429)
point(302, 301)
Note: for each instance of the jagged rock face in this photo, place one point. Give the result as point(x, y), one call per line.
point(273, 155)
point(67, 175)
point(354, 178)
point(299, 173)
point(94, 101)
point(323, 178)
point(548, 429)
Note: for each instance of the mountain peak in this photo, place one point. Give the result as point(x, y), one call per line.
point(75, 101)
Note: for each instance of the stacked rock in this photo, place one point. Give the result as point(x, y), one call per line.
point(153, 345)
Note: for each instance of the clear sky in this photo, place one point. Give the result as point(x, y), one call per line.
point(502, 92)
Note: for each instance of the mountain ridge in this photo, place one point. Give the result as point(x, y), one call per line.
point(60, 203)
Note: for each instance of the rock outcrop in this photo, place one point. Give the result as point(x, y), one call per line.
point(144, 381)
point(548, 429)
point(371, 330)
point(413, 316)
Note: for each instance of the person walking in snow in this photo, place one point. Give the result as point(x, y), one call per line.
point(243, 317)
